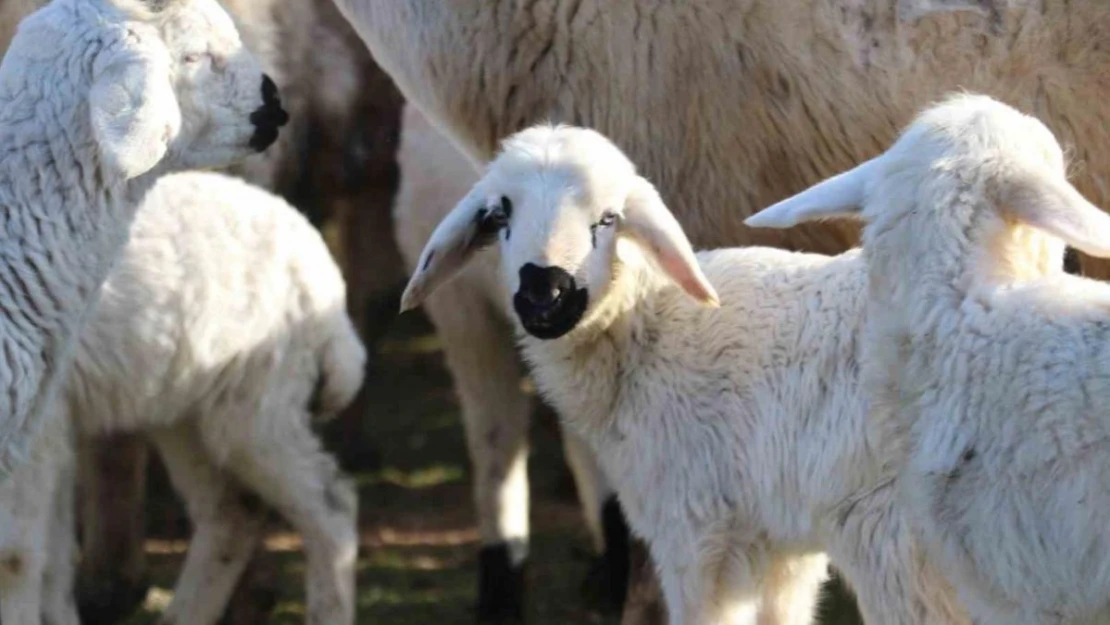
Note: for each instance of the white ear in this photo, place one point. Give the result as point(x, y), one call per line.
point(465, 230)
point(839, 196)
point(1055, 206)
point(134, 115)
point(649, 223)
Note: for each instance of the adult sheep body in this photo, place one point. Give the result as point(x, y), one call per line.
point(98, 98)
point(222, 334)
point(727, 106)
point(737, 438)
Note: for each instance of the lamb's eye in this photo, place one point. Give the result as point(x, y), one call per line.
point(193, 58)
point(506, 207)
point(607, 219)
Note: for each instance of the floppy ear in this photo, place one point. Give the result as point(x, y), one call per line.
point(839, 196)
point(649, 223)
point(1056, 207)
point(134, 114)
point(469, 227)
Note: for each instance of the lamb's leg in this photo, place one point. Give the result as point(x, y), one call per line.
point(227, 524)
point(792, 588)
point(26, 503)
point(487, 375)
point(111, 490)
point(286, 466)
point(59, 606)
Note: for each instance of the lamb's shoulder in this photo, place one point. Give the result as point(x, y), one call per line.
point(773, 303)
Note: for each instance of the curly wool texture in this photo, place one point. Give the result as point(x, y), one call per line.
point(737, 438)
point(223, 289)
point(222, 332)
point(97, 99)
point(63, 222)
point(994, 403)
point(986, 364)
point(768, 97)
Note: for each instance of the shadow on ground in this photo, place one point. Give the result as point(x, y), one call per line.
point(417, 562)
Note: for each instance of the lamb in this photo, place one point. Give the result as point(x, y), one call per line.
point(476, 334)
point(769, 97)
point(989, 363)
point(334, 161)
point(736, 437)
point(221, 334)
point(97, 99)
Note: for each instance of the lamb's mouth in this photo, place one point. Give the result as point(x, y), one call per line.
point(555, 321)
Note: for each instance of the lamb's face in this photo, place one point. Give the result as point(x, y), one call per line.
point(554, 202)
point(229, 107)
point(567, 210)
point(174, 87)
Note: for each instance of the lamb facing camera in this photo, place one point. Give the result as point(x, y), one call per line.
point(719, 390)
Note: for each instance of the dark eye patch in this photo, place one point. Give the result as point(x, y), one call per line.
point(491, 220)
point(608, 218)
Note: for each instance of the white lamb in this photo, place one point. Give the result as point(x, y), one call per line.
point(223, 334)
point(991, 365)
point(97, 99)
point(737, 437)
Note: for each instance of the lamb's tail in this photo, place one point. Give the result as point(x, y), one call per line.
point(342, 369)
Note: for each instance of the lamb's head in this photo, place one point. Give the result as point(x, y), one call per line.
point(569, 214)
point(970, 180)
point(168, 82)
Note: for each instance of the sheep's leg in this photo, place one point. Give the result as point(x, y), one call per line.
point(111, 490)
point(227, 526)
point(792, 588)
point(604, 518)
point(26, 501)
point(287, 467)
point(487, 375)
point(59, 606)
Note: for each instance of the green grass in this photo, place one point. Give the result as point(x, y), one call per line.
point(417, 562)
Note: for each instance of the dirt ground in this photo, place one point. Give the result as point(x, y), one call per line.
point(417, 563)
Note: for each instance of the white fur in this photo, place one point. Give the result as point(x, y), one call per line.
point(222, 334)
point(97, 98)
point(736, 438)
point(728, 105)
point(990, 365)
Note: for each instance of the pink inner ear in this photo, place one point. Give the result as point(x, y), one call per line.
point(686, 276)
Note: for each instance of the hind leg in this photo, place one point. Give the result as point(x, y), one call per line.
point(227, 527)
point(283, 462)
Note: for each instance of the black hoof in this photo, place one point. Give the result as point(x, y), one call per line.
point(606, 584)
point(1071, 262)
point(500, 587)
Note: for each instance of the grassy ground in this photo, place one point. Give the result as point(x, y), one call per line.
point(419, 543)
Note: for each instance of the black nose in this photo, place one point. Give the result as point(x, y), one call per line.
point(543, 286)
point(548, 303)
point(269, 117)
